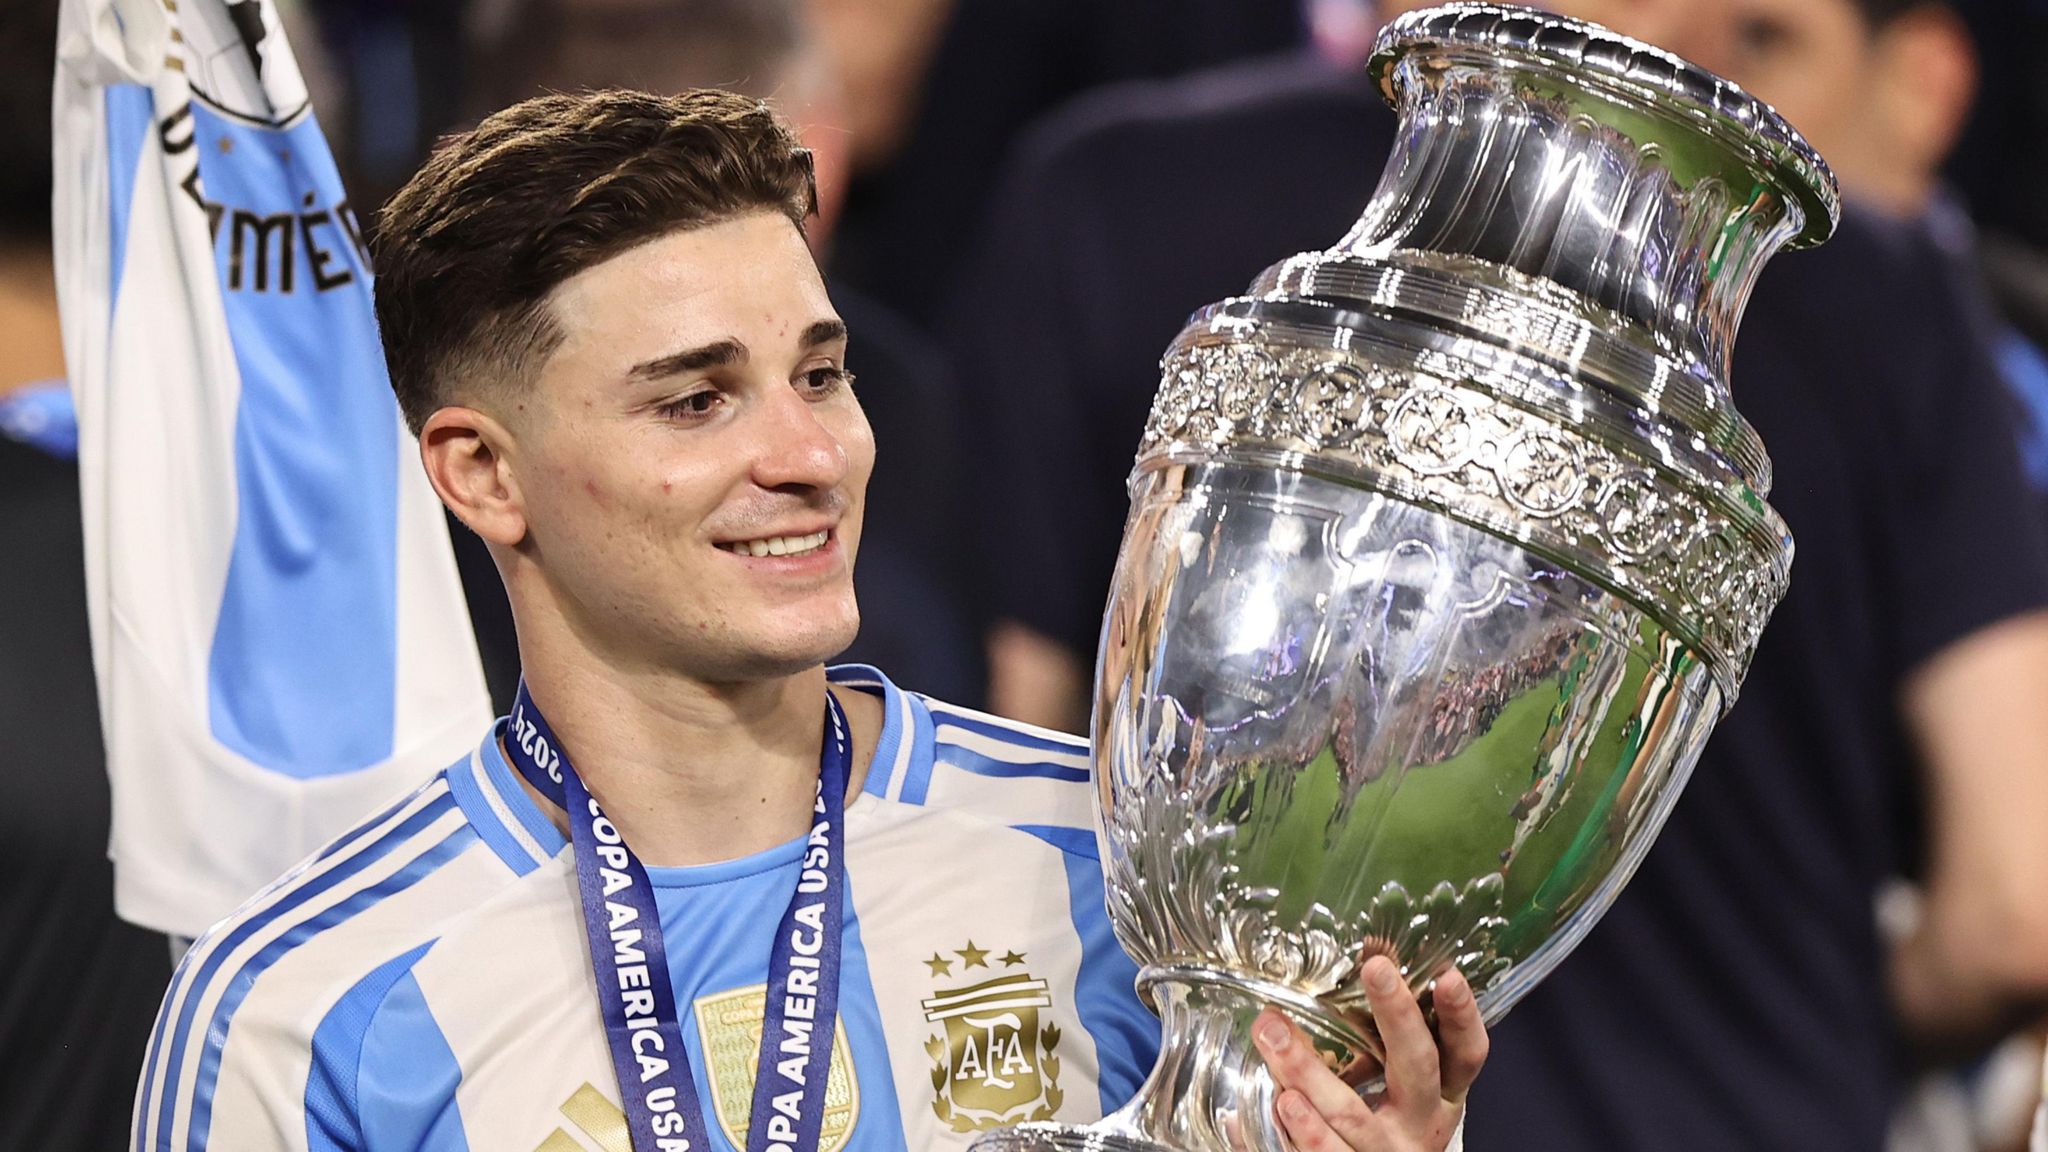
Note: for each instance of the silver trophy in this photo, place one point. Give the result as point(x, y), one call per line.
point(1447, 550)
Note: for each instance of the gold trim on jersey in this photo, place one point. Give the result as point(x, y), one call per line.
point(597, 1117)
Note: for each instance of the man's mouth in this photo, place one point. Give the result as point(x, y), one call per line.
point(779, 545)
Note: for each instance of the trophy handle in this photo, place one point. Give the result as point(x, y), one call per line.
point(1209, 1090)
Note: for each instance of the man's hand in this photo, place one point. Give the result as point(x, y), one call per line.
point(1426, 1080)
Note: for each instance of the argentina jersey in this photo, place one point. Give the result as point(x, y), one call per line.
point(424, 982)
point(278, 628)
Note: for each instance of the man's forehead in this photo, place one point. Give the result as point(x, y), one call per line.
point(750, 271)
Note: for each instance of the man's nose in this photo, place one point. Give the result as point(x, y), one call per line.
point(796, 448)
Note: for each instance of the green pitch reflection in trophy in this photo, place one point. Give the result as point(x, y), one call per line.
point(1448, 549)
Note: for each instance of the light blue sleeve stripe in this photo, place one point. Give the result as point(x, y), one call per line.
point(982, 726)
point(980, 765)
point(302, 670)
point(1073, 841)
point(192, 979)
point(209, 1060)
point(131, 116)
point(332, 1121)
point(1126, 1033)
point(408, 1078)
point(238, 990)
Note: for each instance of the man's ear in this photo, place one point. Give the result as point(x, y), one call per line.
point(1927, 82)
point(464, 451)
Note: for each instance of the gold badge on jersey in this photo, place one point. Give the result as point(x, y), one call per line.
point(729, 1024)
point(995, 1064)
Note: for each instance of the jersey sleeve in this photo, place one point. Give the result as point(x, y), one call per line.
point(333, 1099)
point(259, 1042)
point(1015, 774)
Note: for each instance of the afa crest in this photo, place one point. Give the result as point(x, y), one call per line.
point(994, 1064)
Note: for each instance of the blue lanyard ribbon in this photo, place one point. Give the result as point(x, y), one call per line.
point(622, 925)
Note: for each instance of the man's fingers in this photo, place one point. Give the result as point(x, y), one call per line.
point(1363, 1067)
point(1311, 1130)
point(1462, 1034)
point(1300, 1074)
point(1413, 1074)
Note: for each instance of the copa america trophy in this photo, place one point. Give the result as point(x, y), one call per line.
point(1447, 551)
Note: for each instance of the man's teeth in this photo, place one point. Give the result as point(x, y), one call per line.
point(779, 545)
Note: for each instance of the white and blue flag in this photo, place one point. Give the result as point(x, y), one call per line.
point(278, 629)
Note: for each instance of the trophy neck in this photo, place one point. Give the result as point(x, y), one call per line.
point(1606, 168)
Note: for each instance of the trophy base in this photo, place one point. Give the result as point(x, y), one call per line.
point(1045, 1137)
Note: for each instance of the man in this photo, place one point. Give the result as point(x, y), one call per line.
point(602, 320)
point(915, 604)
point(1739, 994)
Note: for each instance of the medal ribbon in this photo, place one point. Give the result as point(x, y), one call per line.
point(622, 925)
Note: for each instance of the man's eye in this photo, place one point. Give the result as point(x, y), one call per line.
point(696, 404)
point(1760, 38)
point(826, 380)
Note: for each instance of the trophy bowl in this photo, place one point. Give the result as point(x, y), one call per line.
point(1447, 550)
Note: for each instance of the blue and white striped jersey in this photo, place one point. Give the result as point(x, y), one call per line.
point(278, 631)
point(423, 982)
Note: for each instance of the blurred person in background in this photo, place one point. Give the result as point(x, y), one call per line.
point(962, 78)
point(915, 617)
point(1740, 994)
point(1998, 166)
point(78, 986)
point(1885, 90)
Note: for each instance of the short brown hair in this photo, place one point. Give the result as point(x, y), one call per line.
point(468, 252)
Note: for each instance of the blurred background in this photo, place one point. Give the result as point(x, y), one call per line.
point(1021, 200)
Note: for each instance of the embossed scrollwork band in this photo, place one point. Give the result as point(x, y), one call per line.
point(1712, 569)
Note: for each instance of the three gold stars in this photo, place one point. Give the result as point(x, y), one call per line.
point(971, 957)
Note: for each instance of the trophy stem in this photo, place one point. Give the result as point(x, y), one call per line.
point(1209, 1091)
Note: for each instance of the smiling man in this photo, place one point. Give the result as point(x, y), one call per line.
point(696, 891)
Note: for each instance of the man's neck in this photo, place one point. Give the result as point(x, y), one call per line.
point(696, 773)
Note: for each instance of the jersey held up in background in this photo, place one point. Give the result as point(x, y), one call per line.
point(279, 635)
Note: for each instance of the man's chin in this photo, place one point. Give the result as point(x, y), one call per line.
point(787, 654)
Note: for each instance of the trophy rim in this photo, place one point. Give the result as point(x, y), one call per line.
point(1605, 55)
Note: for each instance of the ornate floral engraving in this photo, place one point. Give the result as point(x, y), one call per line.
point(1639, 517)
point(1700, 564)
point(1431, 430)
point(1210, 917)
point(1540, 471)
point(1329, 404)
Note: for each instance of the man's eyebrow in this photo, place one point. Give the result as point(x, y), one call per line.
point(823, 332)
point(714, 355)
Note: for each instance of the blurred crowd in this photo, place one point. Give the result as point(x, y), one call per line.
point(1841, 939)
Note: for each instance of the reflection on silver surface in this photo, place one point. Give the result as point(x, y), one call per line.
point(1447, 550)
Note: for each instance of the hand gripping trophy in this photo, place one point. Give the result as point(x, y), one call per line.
point(1447, 550)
